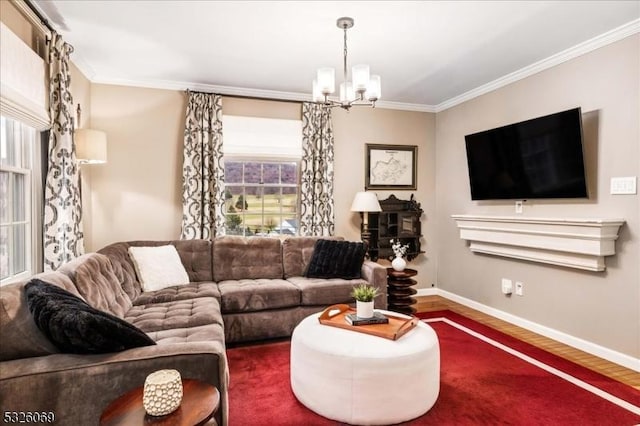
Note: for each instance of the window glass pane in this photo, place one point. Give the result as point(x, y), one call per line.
point(4, 252)
point(232, 172)
point(271, 173)
point(253, 224)
point(4, 197)
point(271, 222)
point(253, 199)
point(289, 199)
point(234, 224)
point(289, 225)
point(252, 172)
point(231, 194)
point(290, 173)
point(19, 252)
point(19, 197)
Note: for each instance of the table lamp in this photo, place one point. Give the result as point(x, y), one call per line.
point(365, 202)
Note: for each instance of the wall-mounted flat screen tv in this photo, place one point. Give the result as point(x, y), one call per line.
point(538, 158)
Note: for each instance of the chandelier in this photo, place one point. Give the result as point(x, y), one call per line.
point(363, 90)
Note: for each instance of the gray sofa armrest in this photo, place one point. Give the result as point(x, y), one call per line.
point(78, 388)
point(376, 275)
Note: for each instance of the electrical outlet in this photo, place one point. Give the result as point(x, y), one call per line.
point(507, 286)
point(519, 288)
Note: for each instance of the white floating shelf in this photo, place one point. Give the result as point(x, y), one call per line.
point(574, 243)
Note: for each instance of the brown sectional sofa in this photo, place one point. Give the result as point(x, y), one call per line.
point(240, 289)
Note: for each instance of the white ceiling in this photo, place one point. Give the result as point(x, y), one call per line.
point(430, 54)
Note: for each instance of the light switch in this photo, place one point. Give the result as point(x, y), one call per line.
point(623, 185)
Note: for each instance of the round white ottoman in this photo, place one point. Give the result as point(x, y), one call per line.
point(361, 379)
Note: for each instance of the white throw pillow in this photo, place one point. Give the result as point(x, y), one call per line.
point(158, 267)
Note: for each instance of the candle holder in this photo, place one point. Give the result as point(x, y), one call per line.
point(162, 392)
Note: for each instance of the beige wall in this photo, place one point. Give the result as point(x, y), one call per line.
point(360, 126)
point(137, 193)
point(600, 307)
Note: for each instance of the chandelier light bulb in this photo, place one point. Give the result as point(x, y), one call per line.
point(346, 92)
point(360, 75)
point(327, 81)
point(317, 94)
point(374, 90)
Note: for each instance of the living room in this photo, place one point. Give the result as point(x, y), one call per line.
point(136, 195)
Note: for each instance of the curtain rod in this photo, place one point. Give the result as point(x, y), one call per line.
point(256, 98)
point(34, 16)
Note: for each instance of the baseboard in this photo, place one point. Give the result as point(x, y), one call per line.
point(575, 342)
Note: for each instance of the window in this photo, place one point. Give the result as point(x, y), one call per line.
point(262, 178)
point(262, 197)
point(17, 158)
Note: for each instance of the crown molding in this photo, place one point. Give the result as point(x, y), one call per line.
point(597, 42)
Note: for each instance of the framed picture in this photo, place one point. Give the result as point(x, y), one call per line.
point(391, 167)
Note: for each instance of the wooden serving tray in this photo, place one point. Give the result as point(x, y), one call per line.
point(395, 329)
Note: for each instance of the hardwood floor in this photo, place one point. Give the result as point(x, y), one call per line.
point(609, 369)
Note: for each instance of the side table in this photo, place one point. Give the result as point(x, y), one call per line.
point(199, 403)
point(399, 290)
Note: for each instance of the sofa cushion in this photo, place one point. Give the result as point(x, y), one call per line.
point(250, 295)
point(237, 258)
point(74, 326)
point(297, 252)
point(336, 259)
point(323, 291)
point(98, 284)
point(158, 267)
point(179, 292)
point(173, 315)
point(19, 335)
point(194, 254)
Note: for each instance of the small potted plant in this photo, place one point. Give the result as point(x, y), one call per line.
point(364, 295)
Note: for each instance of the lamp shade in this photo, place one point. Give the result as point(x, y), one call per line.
point(374, 90)
point(91, 146)
point(365, 202)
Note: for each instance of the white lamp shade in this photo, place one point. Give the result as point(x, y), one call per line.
point(365, 202)
point(317, 94)
point(346, 92)
point(374, 91)
point(360, 77)
point(91, 146)
point(327, 80)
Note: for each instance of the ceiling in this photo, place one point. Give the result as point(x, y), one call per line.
point(429, 54)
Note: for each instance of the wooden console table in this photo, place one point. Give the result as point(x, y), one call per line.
point(199, 403)
point(399, 290)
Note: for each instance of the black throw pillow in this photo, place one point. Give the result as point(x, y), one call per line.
point(336, 259)
point(76, 327)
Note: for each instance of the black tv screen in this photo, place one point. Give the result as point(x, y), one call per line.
point(538, 158)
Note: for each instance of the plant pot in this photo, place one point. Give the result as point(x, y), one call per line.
point(364, 309)
point(399, 264)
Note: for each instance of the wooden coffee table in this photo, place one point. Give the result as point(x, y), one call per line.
point(199, 403)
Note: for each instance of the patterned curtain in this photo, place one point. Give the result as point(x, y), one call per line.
point(316, 169)
point(203, 168)
point(62, 229)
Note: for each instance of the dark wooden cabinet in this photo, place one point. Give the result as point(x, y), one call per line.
point(398, 220)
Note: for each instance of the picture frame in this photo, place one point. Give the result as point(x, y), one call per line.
point(391, 167)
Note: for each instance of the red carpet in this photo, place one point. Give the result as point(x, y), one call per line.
point(480, 385)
